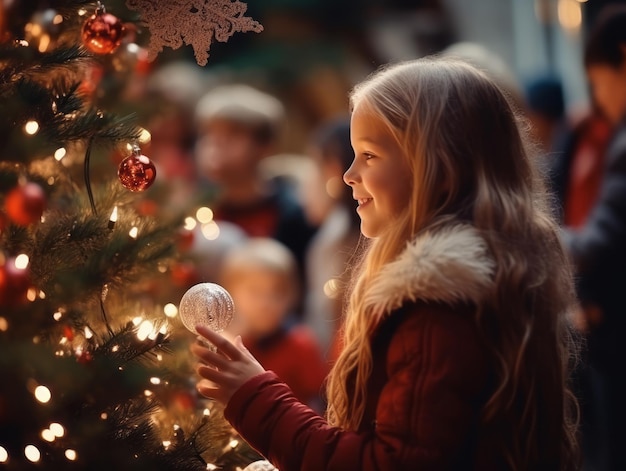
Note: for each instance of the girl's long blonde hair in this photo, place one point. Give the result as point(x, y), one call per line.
point(469, 162)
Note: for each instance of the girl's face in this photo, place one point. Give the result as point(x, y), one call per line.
point(379, 176)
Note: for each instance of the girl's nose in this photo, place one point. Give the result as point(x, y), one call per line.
point(351, 175)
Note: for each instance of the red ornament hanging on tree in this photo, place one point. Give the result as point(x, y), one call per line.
point(25, 204)
point(136, 172)
point(102, 32)
point(14, 283)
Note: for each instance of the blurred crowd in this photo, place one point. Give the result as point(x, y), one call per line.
point(262, 138)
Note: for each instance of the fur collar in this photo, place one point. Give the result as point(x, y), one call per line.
point(448, 265)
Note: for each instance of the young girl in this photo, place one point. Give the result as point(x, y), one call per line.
point(456, 347)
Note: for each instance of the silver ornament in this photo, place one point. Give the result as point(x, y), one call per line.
point(260, 466)
point(206, 304)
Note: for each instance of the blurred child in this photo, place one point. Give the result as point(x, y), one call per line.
point(329, 205)
point(456, 341)
point(238, 127)
point(261, 276)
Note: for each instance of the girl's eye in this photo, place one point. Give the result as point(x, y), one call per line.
point(368, 156)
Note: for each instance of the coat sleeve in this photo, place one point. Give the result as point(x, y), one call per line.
point(603, 236)
point(425, 414)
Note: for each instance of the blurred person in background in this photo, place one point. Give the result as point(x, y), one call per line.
point(328, 203)
point(261, 275)
point(593, 190)
point(238, 126)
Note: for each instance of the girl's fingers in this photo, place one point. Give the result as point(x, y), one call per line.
point(207, 389)
point(220, 342)
point(212, 375)
point(209, 357)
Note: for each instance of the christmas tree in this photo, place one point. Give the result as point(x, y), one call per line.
point(87, 380)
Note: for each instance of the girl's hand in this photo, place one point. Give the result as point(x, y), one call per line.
point(223, 371)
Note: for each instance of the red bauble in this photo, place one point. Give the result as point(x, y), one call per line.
point(25, 204)
point(184, 274)
point(14, 283)
point(102, 33)
point(137, 172)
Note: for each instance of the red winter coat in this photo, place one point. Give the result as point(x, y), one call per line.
point(429, 381)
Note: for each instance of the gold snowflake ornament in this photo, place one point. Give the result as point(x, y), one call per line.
point(198, 23)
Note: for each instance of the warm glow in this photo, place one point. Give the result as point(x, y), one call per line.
point(60, 153)
point(31, 294)
point(145, 330)
point(113, 217)
point(44, 43)
point(144, 137)
point(42, 394)
point(204, 215)
point(330, 288)
point(57, 315)
point(115, 348)
point(148, 393)
point(170, 310)
point(58, 19)
point(190, 223)
point(134, 232)
point(71, 455)
point(31, 127)
point(137, 320)
point(57, 429)
point(32, 453)
point(233, 443)
point(4, 324)
point(206, 412)
point(21, 261)
point(4, 455)
point(210, 231)
point(104, 416)
point(155, 380)
point(88, 333)
point(48, 436)
point(570, 14)
point(166, 444)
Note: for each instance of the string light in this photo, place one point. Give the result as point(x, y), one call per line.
point(113, 218)
point(4, 324)
point(155, 380)
point(144, 330)
point(166, 444)
point(48, 436)
point(32, 453)
point(57, 316)
point(206, 412)
point(210, 230)
point(104, 416)
point(88, 333)
point(31, 127)
point(204, 215)
point(31, 294)
point(148, 393)
point(137, 320)
point(42, 394)
point(21, 261)
point(190, 223)
point(4, 455)
point(115, 348)
point(71, 454)
point(134, 232)
point(170, 310)
point(57, 429)
point(60, 153)
point(144, 136)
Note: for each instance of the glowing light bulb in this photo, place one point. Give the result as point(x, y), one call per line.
point(88, 333)
point(60, 153)
point(57, 429)
point(4, 455)
point(31, 127)
point(71, 455)
point(144, 330)
point(170, 310)
point(21, 261)
point(155, 380)
point(42, 394)
point(190, 223)
point(48, 436)
point(204, 215)
point(134, 232)
point(210, 231)
point(4, 324)
point(233, 443)
point(166, 444)
point(32, 453)
point(57, 315)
